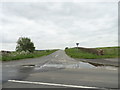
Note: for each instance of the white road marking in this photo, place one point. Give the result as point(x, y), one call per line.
point(56, 55)
point(51, 84)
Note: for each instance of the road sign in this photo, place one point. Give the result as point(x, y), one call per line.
point(77, 44)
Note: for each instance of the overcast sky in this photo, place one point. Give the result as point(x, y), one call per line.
point(59, 24)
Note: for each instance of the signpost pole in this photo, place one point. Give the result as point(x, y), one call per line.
point(77, 45)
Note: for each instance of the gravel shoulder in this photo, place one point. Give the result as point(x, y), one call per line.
point(104, 62)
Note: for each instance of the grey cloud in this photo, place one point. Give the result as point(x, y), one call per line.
point(60, 24)
point(41, 10)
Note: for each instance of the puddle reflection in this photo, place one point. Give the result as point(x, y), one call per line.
point(77, 65)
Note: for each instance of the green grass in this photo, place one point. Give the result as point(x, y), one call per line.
point(109, 52)
point(17, 56)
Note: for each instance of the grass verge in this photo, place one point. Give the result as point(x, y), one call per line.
point(17, 56)
point(109, 52)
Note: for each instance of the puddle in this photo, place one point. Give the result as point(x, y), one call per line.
point(30, 65)
point(49, 66)
point(77, 65)
point(111, 68)
point(108, 67)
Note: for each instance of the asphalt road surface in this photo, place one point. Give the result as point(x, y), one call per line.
point(57, 71)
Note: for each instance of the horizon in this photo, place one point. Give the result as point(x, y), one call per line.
point(63, 49)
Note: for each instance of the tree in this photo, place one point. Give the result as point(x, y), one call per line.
point(66, 48)
point(25, 44)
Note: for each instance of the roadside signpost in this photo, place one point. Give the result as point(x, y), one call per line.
point(77, 45)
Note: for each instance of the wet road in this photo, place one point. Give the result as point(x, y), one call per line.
point(57, 71)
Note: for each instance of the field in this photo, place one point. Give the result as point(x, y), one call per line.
point(23, 55)
point(109, 52)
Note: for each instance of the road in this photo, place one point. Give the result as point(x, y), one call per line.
point(57, 71)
